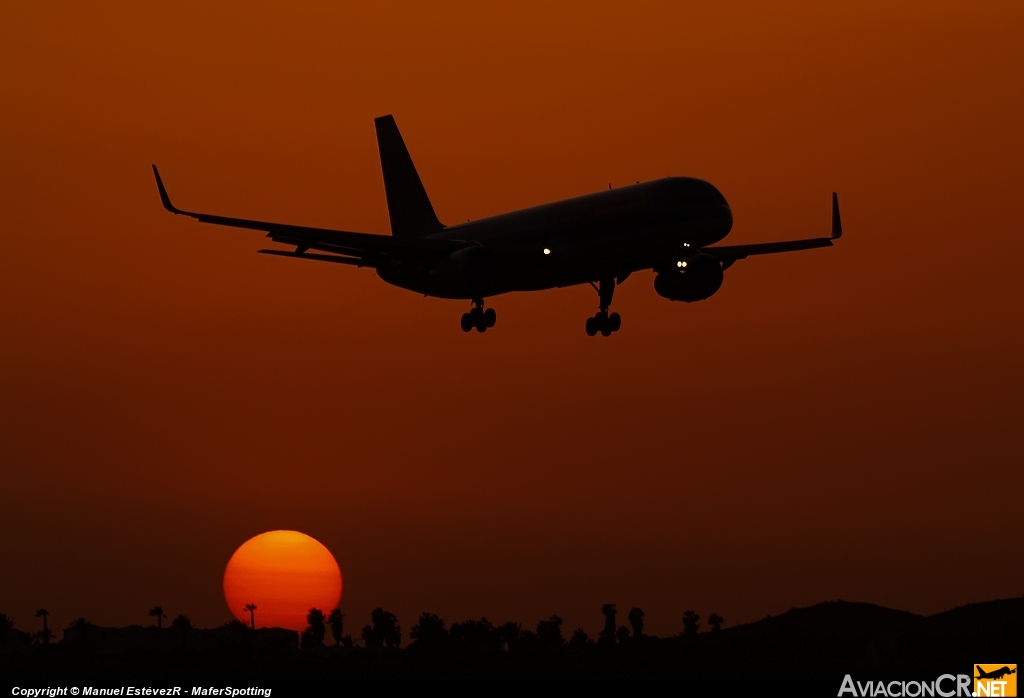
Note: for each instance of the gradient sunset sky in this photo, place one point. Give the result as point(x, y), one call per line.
point(840, 423)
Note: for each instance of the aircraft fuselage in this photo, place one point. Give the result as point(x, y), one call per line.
point(609, 234)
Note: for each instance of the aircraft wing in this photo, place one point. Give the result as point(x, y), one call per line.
point(361, 249)
point(727, 254)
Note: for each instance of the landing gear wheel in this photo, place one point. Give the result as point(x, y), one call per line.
point(603, 322)
point(477, 318)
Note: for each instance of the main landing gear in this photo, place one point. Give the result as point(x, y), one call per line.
point(478, 317)
point(603, 322)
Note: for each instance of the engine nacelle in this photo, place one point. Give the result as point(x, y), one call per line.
point(696, 279)
point(473, 265)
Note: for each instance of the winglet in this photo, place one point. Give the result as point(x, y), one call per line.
point(837, 223)
point(163, 193)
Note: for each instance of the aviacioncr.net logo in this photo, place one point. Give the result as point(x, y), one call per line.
point(945, 686)
point(995, 680)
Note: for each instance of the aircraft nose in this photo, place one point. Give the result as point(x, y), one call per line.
point(725, 215)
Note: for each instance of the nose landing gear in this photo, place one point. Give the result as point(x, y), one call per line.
point(603, 322)
point(478, 318)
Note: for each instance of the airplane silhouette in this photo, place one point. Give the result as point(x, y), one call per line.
point(995, 674)
point(668, 225)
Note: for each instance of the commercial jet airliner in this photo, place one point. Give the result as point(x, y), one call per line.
point(669, 225)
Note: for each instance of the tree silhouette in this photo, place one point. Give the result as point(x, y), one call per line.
point(476, 635)
point(691, 623)
point(636, 619)
point(429, 631)
point(384, 630)
point(234, 632)
point(508, 633)
point(182, 627)
point(158, 613)
point(715, 621)
point(236, 628)
point(622, 635)
point(549, 633)
point(337, 622)
point(6, 626)
point(251, 608)
point(45, 635)
point(608, 634)
point(579, 640)
point(313, 635)
point(80, 630)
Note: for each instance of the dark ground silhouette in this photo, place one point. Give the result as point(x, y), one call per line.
point(814, 645)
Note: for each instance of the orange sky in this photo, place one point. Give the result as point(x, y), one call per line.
point(836, 423)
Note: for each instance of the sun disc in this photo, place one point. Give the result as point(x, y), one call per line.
point(284, 573)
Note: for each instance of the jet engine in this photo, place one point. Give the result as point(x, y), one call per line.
point(472, 265)
point(694, 279)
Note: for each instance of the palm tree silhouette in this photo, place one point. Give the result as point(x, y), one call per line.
point(384, 630)
point(608, 634)
point(251, 608)
point(691, 623)
point(313, 635)
point(636, 619)
point(80, 630)
point(158, 613)
point(337, 622)
point(45, 635)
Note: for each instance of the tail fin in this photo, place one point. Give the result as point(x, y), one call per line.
point(410, 211)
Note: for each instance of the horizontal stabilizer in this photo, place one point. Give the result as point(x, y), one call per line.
point(356, 262)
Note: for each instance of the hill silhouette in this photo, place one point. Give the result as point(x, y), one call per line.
point(829, 619)
point(998, 616)
point(811, 647)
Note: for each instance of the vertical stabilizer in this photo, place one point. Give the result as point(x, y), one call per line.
point(410, 211)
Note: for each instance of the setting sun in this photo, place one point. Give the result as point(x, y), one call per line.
point(284, 574)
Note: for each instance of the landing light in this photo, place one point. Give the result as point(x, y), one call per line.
point(547, 251)
point(686, 244)
point(681, 265)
